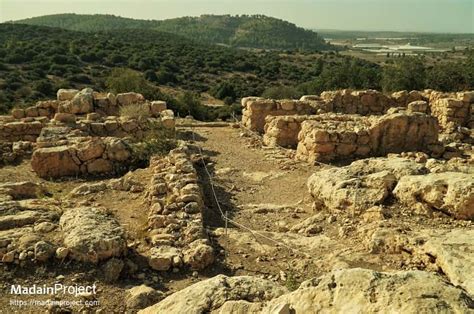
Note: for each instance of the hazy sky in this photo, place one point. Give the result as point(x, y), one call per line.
point(398, 15)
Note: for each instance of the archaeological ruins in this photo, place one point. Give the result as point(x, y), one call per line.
point(367, 197)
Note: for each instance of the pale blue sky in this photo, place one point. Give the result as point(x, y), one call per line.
point(397, 15)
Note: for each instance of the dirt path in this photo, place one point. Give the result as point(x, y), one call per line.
point(247, 176)
point(265, 190)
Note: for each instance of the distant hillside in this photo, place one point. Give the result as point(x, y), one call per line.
point(36, 60)
point(252, 31)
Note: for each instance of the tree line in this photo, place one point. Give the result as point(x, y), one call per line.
point(36, 61)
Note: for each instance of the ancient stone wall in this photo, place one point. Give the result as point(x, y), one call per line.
point(367, 102)
point(86, 101)
point(121, 126)
point(26, 130)
point(175, 214)
point(92, 112)
point(283, 130)
point(79, 156)
point(358, 136)
point(255, 110)
point(327, 140)
point(404, 97)
point(11, 152)
point(453, 112)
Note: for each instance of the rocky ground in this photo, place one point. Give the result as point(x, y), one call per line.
point(281, 237)
point(123, 208)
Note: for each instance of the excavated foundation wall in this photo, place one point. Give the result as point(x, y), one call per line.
point(453, 110)
point(283, 130)
point(89, 111)
point(367, 102)
point(366, 136)
point(255, 110)
point(13, 131)
point(453, 113)
point(175, 222)
point(80, 156)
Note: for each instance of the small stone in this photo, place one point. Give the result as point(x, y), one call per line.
point(43, 251)
point(44, 227)
point(112, 269)
point(142, 296)
point(23, 256)
point(62, 252)
point(8, 257)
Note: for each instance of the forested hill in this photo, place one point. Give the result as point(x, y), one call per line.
point(252, 31)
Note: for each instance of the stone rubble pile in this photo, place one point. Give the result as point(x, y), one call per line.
point(11, 152)
point(175, 221)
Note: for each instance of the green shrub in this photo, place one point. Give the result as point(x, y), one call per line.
point(44, 87)
point(126, 80)
point(281, 92)
point(157, 141)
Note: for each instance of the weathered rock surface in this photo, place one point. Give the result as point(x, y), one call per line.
point(142, 296)
point(449, 192)
point(454, 254)
point(365, 291)
point(211, 294)
point(361, 185)
point(125, 99)
point(21, 190)
point(82, 102)
point(112, 269)
point(54, 162)
point(80, 155)
point(66, 94)
point(91, 235)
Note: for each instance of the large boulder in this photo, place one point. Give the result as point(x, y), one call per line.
point(125, 99)
point(91, 235)
point(209, 295)
point(66, 94)
point(449, 192)
point(361, 185)
point(54, 162)
point(83, 102)
point(366, 291)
